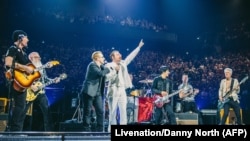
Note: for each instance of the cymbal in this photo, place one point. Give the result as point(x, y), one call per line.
point(146, 81)
point(154, 75)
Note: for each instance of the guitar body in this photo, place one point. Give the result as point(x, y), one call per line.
point(22, 80)
point(159, 100)
point(25, 80)
point(17, 87)
point(31, 95)
point(221, 103)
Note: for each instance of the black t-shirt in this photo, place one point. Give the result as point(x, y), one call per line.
point(19, 56)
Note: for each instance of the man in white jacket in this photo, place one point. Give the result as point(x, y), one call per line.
point(118, 81)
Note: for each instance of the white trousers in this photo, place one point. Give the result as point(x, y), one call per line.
point(117, 99)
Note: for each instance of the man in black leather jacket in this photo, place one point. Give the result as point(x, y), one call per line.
point(162, 87)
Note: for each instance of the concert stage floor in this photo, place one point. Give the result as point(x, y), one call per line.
point(55, 136)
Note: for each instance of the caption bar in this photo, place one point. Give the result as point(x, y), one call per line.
point(180, 131)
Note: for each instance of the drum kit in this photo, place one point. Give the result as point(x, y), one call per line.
point(137, 98)
point(145, 91)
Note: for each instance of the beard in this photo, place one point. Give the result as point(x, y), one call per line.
point(38, 64)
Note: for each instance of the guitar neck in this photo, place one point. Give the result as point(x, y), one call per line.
point(41, 67)
point(48, 83)
point(168, 96)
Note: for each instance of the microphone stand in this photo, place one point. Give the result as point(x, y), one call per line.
point(79, 110)
point(10, 83)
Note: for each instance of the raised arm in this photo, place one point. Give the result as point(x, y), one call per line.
point(134, 53)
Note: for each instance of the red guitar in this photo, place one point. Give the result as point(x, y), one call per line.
point(159, 100)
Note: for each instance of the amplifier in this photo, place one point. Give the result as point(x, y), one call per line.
point(3, 122)
point(186, 118)
point(210, 116)
point(231, 119)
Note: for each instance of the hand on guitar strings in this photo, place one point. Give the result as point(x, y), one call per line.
point(164, 93)
point(29, 70)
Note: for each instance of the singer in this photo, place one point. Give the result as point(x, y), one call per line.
point(93, 91)
point(118, 81)
point(16, 58)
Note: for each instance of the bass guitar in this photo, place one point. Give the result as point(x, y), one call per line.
point(22, 80)
point(32, 95)
point(225, 98)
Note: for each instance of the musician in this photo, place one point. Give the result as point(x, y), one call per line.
point(16, 59)
point(230, 85)
point(187, 95)
point(41, 100)
point(93, 92)
point(118, 81)
point(163, 86)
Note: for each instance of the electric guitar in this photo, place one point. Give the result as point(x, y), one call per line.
point(31, 95)
point(159, 100)
point(22, 80)
point(225, 98)
point(194, 92)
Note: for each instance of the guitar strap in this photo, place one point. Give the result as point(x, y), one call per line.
point(167, 85)
point(232, 83)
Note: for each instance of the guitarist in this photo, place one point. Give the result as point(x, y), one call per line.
point(187, 96)
point(163, 86)
point(230, 86)
point(41, 98)
point(16, 58)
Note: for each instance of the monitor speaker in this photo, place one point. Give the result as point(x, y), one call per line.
point(186, 118)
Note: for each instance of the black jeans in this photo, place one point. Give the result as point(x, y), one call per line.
point(43, 103)
point(168, 109)
point(88, 103)
point(236, 107)
point(18, 111)
point(191, 106)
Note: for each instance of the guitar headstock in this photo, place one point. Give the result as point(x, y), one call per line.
point(244, 79)
point(63, 76)
point(52, 63)
point(196, 91)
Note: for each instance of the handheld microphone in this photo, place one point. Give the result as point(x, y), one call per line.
point(105, 62)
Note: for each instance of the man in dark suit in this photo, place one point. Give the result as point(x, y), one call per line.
point(93, 92)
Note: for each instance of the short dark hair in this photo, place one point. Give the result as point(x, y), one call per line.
point(163, 69)
point(18, 34)
point(185, 73)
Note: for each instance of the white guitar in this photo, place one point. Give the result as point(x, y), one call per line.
point(194, 92)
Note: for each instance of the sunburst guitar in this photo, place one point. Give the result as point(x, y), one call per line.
point(32, 95)
point(22, 80)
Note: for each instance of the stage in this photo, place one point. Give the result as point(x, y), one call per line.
point(54, 136)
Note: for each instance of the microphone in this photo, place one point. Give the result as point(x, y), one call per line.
point(105, 62)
